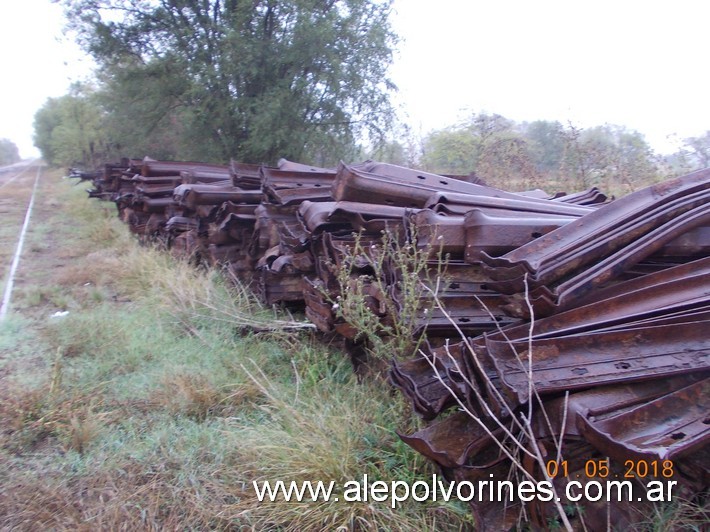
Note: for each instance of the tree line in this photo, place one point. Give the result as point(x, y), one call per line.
point(220, 79)
point(522, 155)
point(214, 80)
point(9, 154)
point(518, 155)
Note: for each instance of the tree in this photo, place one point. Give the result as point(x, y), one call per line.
point(457, 149)
point(635, 165)
point(505, 162)
point(255, 81)
point(489, 145)
point(47, 118)
point(698, 149)
point(9, 154)
point(543, 153)
point(694, 154)
point(390, 151)
point(546, 141)
point(71, 130)
point(142, 124)
point(450, 151)
point(614, 157)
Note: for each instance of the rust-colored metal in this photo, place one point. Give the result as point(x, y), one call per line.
point(573, 362)
point(497, 234)
point(247, 176)
point(604, 230)
point(191, 196)
point(668, 427)
point(461, 203)
point(451, 442)
point(393, 185)
point(591, 196)
point(150, 167)
point(608, 300)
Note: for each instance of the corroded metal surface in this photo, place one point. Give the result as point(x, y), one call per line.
point(667, 427)
point(588, 317)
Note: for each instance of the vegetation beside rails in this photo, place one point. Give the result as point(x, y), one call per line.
point(146, 407)
point(137, 393)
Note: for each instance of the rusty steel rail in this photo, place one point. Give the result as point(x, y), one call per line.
point(606, 303)
point(625, 219)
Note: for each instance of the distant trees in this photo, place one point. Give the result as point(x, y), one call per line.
point(491, 146)
point(47, 119)
point(9, 154)
point(390, 151)
point(72, 130)
point(254, 81)
point(694, 154)
point(611, 156)
point(459, 149)
point(697, 150)
point(524, 155)
point(452, 150)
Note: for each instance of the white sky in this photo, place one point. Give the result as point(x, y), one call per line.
point(642, 64)
point(36, 62)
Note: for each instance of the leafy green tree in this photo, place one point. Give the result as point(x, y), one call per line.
point(450, 151)
point(609, 156)
point(587, 156)
point(390, 151)
point(71, 130)
point(491, 146)
point(141, 124)
point(9, 154)
point(635, 164)
point(506, 162)
point(255, 81)
point(486, 126)
point(698, 150)
point(546, 144)
point(46, 119)
point(457, 149)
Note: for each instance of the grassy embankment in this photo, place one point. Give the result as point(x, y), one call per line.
point(146, 407)
point(149, 407)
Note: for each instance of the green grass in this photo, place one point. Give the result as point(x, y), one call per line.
point(152, 404)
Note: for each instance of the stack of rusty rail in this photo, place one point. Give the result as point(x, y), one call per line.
point(280, 240)
point(242, 216)
point(449, 220)
point(605, 304)
point(612, 358)
point(143, 192)
point(287, 229)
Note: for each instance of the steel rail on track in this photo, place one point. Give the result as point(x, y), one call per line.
point(4, 307)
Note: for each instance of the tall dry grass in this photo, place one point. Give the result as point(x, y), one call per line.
point(167, 390)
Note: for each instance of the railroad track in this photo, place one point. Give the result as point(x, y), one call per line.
point(18, 189)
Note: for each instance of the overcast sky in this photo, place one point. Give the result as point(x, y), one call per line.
point(641, 64)
point(36, 62)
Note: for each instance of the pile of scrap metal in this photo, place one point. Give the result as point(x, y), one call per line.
point(606, 378)
point(242, 216)
point(143, 192)
point(287, 230)
point(559, 330)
